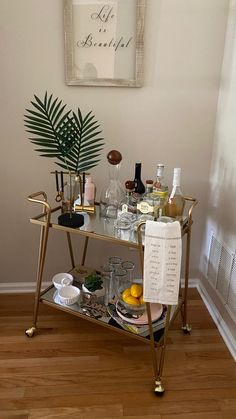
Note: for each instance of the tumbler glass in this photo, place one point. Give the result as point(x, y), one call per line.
point(107, 275)
point(129, 266)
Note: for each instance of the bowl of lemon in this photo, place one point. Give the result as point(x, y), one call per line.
point(131, 297)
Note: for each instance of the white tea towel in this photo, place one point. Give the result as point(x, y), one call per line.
point(162, 262)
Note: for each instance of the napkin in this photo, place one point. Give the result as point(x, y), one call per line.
point(162, 262)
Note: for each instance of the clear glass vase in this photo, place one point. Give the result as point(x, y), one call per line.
point(71, 190)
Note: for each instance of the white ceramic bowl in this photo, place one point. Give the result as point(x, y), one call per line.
point(69, 295)
point(62, 279)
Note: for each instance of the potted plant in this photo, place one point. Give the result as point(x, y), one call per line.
point(73, 140)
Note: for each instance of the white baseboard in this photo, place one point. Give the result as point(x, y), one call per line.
point(221, 325)
point(20, 287)
point(29, 287)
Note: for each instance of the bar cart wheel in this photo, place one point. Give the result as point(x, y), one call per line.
point(187, 329)
point(159, 389)
point(30, 332)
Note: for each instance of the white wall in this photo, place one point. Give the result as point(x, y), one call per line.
point(221, 203)
point(171, 119)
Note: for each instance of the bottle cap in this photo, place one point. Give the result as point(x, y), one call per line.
point(130, 185)
point(149, 182)
point(176, 177)
point(160, 170)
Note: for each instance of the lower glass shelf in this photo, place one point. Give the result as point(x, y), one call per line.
point(92, 308)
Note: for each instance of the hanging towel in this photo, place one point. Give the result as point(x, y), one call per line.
point(162, 262)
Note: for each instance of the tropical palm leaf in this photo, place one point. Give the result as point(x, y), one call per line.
point(72, 139)
point(45, 122)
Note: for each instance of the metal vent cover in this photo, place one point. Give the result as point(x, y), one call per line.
point(224, 273)
point(231, 299)
point(214, 261)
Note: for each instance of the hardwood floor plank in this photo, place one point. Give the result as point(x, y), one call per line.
point(76, 369)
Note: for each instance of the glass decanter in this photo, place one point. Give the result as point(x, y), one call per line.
point(114, 192)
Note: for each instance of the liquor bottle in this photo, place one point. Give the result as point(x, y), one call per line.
point(159, 184)
point(160, 192)
point(176, 202)
point(139, 187)
point(146, 203)
point(128, 204)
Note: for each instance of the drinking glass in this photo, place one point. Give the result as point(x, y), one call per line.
point(107, 275)
point(129, 266)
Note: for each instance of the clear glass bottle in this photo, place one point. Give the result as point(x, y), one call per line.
point(175, 204)
point(126, 213)
point(114, 192)
point(159, 183)
point(160, 192)
point(146, 205)
point(128, 204)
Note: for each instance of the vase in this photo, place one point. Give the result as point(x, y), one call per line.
point(72, 192)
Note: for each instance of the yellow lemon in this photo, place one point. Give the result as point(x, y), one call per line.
point(126, 293)
point(136, 290)
point(131, 300)
point(141, 300)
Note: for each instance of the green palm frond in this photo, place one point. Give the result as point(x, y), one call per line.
point(72, 139)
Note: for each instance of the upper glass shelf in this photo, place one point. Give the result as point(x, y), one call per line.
point(94, 224)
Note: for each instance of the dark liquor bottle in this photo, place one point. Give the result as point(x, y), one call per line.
point(139, 188)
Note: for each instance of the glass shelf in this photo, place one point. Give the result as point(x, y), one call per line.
point(94, 225)
point(98, 227)
point(105, 316)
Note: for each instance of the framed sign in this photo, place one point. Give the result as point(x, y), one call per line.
point(104, 42)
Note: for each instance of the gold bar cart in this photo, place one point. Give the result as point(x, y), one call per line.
point(99, 228)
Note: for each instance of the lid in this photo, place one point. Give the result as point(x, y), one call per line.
point(130, 185)
point(176, 177)
point(149, 182)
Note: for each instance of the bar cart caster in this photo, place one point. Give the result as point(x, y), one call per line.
point(159, 389)
point(30, 332)
point(187, 329)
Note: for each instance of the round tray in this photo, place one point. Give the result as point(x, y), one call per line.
point(156, 312)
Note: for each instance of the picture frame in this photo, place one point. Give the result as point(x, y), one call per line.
point(104, 42)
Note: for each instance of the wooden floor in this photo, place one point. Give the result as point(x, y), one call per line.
point(74, 369)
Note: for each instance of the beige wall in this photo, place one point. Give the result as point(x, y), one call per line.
point(221, 203)
point(171, 119)
point(222, 182)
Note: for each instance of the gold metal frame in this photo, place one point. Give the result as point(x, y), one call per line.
point(158, 363)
